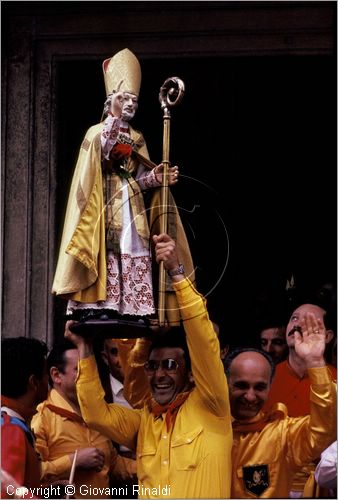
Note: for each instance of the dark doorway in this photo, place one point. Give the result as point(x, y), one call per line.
point(255, 139)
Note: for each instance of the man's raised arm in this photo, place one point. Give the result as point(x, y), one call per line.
point(308, 437)
point(202, 340)
point(115, 421)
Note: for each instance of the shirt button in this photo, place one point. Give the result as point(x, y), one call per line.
point(165, 437)
point(188, 440)
point(164, 462)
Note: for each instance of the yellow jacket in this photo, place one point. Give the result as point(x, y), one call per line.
point(265, 461)
point(193, 459)
point(81, 268)
point(81, 272)
point(57, 438)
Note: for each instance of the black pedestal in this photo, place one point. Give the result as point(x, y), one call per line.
point(112, 328)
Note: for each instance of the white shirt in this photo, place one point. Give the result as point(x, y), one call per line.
point(326, 470)
point(117, 390)
point(11, 412)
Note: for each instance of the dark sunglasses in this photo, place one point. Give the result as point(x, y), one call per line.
point(167, 365)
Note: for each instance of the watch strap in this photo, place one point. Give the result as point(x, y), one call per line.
point(175, 272)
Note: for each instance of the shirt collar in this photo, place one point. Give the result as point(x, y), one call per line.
point(293, 373)
point(116, 385)
point(12, 413)
point(56, 399)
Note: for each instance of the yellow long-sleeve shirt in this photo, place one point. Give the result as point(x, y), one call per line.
point(57, 437)
point(193, 459)
point(265, 461)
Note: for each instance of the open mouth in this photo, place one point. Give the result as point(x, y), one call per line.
point(248, 411)
point(162, 387)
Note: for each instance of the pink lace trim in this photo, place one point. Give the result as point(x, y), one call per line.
point(129, 291)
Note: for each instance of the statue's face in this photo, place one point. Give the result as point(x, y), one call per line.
point(125, 105)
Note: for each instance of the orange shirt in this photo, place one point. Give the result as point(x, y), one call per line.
point(288, 388)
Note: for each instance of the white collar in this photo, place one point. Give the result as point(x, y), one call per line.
point(11, 412)
point(116, 385)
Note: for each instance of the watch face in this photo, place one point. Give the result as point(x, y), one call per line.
point(175, 272)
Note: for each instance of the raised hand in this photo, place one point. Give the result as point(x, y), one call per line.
point(165, 250)
point(84, 346)
point(117, 104)
point(310, 344)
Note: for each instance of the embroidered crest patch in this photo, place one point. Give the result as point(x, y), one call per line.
point(256, 478)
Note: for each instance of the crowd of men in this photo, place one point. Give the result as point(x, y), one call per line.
point(168, 418)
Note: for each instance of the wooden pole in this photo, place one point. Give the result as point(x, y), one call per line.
point(171, 94)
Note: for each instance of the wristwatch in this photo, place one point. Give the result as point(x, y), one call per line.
point(175, 272)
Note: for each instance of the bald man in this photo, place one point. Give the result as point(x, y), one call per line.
point(270, 447)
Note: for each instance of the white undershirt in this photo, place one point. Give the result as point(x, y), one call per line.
point(11, 412)
point(117, 390)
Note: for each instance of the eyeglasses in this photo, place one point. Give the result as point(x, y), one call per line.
point(167, 365)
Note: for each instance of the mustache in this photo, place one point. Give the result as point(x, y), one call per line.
point(295, 329)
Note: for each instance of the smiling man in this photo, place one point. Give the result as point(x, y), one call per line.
point(182, 435)
point(270, 447)
point(60, 430)
point(251, 375)
point(168, 368)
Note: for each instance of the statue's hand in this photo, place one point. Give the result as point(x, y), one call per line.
point(172, 177)
point(116, 104)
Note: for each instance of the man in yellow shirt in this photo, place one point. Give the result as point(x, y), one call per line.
point(60, 430)
point(183, 435)
point(269, 447)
